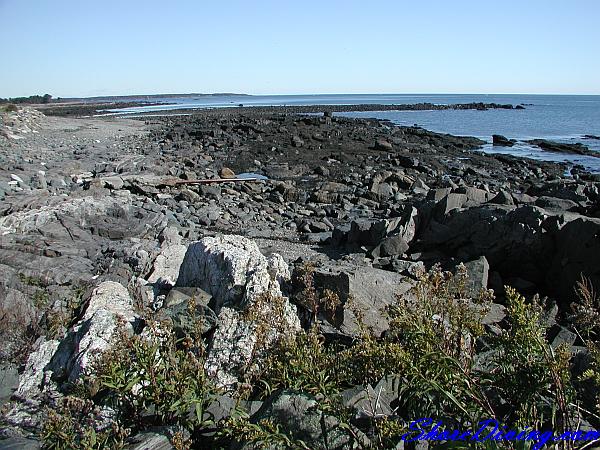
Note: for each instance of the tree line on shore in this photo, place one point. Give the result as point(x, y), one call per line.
point(46, 98)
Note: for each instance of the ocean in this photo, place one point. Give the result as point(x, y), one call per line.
point(562, 118)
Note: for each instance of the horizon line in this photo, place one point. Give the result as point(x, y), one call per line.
point(174, 94)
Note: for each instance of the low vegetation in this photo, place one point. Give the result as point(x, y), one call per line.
point(9, 107)
point(32, 99)
point(45, 313)
point(439, 358)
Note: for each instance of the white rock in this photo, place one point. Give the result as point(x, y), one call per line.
point(82, 177)
point(34, 377)
point(109, 305)
point(405, 225)
point(231, 349)
point(113, 297)
point(167, 264)
point(234, 271)
point(112, 182)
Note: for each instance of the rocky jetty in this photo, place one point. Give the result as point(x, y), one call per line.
point(111, 230)
point(575, 149)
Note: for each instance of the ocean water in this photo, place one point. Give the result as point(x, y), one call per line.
point(562, 118)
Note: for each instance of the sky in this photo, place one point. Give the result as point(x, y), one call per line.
point(72, 48)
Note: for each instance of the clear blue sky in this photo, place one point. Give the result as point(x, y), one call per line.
point(106, 47)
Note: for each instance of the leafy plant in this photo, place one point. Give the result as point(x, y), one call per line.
point(302, 363)
point(148, 379)
point(529, 372)
point(314, 302)
point(431, 349)
point(157, 377)
point(437, 329)
point(586, 311)
point(74, 425)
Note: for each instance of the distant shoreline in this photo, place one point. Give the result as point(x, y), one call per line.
point(87, 109)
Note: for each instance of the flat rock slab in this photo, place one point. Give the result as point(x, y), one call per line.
point(368, 289)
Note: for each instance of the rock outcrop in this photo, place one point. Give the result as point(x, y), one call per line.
point(55, 362)
point(233, 270)
point(363, 291)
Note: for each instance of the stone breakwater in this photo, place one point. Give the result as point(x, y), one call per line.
point(93, 237)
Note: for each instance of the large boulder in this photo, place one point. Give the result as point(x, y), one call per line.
point(246, 294)
point(391, 246)
point(109, 307)
point(166, 266)
point(365, 291)
point(577, 254)
point(502, 141)
point(34, 377)
point(514, 240)
point(478, 273)
point(187, 310)
point(545, 250)
point(561, 189)
point(449, 203)
point(475, 196)
point(371, 232)
point(232, 269)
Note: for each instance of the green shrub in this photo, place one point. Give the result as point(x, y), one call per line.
point(586, 310)
point(154, 375)
point(73, 426)
point(442, 317)
point(431, 347)
point(264, 434)
point(152, 379)
point(302, 363)
point(314, 302)
point(528, 371)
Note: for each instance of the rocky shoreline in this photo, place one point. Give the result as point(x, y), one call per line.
point(94, 235)
point(100, 109)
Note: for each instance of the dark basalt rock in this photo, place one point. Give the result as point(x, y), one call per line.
point(499, 140)
point(299, 415)
point(558, 147)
